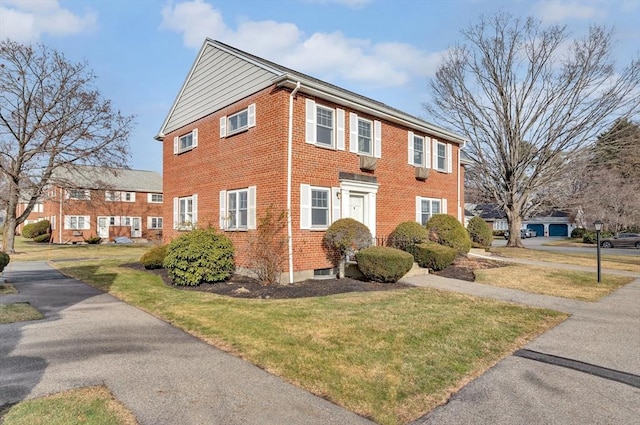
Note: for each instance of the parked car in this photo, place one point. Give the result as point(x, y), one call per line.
point(524, 234)
point(531, 233)
point(622, 240)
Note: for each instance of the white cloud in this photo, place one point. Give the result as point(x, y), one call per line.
point(353, 4)
point(27, 20)
point(560, 10)
point(330, 56)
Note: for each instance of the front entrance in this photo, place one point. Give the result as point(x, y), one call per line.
point(359, 202)
point(103, 227)
point(356, 207)
point(136, 228)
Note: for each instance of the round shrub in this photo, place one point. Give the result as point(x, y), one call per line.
point(383, 263)
point(4, 260)
point(406, 235)
point(33, 230)
point(591, 237)
point(578, 232)
point(200, 256)
point(343, 236)
point(446, 230)
point(93, 240)
point(154, 258)
point(434, 256)
point(480, 233)
point(45, 238)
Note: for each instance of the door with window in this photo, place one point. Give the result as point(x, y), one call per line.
point(103, 227)
point(136, 227)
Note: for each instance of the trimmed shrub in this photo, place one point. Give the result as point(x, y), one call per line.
point(343, 236)
point(154, 258)
point(43, 238)
point(93, 240)
point(200, 256)
point(384, 264)
point(434, 256)
point(480, 233)
point(32, 230)
point(578, 232)
point(406, 235)
point(591, 237)
point(447, 230)
point(4, 260)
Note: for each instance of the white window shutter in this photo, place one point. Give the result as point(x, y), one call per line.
point(175, 213)
point(340, 129)
point(418, 209)
point(67, 222)
point(443, 206)
point(449, 158)
point(335, 204)
point(194, 135)
point(251, 213)
point(223, 126)
point(305, 206)
point(133, 197)
point(149, 223)
point(427, 152)
point(176, 147)
point(87, 223)
point(251, 115)
point(434, 151)
point(410, 147)
point(194, 220)
point(310, 121)
point(353, 132)
point(148, 197)
point(377, 139)
point(223, 209)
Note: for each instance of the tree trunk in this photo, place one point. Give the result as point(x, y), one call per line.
point(515, 223)
point(9, 235)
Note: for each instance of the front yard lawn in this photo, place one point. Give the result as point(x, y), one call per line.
point(390, 355)
point(18, 312)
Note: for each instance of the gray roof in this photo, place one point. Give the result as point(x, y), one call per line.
point(86, 177)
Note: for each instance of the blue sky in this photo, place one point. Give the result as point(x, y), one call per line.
point(142, 50)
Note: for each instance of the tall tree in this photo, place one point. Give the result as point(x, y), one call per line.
point(51, 116)
point(527, 97)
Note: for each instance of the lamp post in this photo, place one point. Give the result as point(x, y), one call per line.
point(598, 225)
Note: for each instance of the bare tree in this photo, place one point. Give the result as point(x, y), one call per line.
point(51, 116)
point(527, 97)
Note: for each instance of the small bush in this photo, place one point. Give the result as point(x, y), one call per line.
point(267, 247)
point(434, 256)
point(154, 258)
point(384, 264)
point(4, 260)
point(578, 232)
point(200, 256)
point(447, 230)
point(406, 235)
point(480, 233)
point(32, 230)
point(343, 236)
point(591, 237)
point(93, 240)
point(43, 238)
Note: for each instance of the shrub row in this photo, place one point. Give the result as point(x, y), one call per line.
point(590, 237)
point(33, 230)
point(384, 264)
point(434, 256)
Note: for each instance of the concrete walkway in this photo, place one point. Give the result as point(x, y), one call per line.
point(162, 374)
point(584, 371)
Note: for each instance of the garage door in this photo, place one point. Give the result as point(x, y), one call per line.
point(539, 228)
point(558, 230)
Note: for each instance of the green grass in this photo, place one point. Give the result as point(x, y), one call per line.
point(7, 288)
point(572, 284)
point(86, 406)
point(18, 312)
point(391, 356)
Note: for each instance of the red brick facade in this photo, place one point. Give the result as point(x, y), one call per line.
point(258, 157)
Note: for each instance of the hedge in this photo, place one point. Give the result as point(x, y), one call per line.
point(154, 258)
point(383, 263)
point(406, 235)
point(434, 256)
point(4, 260)
point(33, 230)
point(447, 230)
point(480, 233)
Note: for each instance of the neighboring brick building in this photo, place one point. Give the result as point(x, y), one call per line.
point(245, 134)
point(83, 201)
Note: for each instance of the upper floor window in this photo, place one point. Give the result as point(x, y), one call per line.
point(155, 198)
point(365, 136)
point(419, 150)
point(324, 119)
point(113, 196)
point(38, 207)
point(79, 194)
point(238, 122)
point(324, 125)
point(186, 142)
point(442, 156)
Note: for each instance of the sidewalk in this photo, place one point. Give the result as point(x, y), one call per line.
point(540, 384)
point(162, 374)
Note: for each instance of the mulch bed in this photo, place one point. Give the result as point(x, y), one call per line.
point(245, 287)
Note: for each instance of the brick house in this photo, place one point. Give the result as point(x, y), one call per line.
point(245, 134)
point(84, 201)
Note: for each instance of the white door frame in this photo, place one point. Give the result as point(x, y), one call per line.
point(103, 229)
point(368, 191)
point(136, 233)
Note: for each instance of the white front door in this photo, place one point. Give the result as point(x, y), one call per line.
point(103, 227)
point(136, 227)
point(356, 207)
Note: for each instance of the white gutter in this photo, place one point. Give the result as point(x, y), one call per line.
point(460, 207)
point(60, 221)
point(289, 177)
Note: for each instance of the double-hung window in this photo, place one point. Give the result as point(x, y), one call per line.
point(185, 212)
point(79, 194)
point(76, 222)
point(419, 149)
point(442, 156)
point(238, 122)
point(319, 207)
point(154, 198)
point(365, 136)
point(324, 126)
point(428, 207)
point(238, 204)
point(154, 222)
point(185, 142)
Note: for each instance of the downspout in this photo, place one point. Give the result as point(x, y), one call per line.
point(289, 177)
point(60, 222)
point(460, 207)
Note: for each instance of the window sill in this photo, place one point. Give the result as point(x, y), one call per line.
point(235, 132)
point(236, 229)
point(323, 146)
point(180, 152)
point(319, 229)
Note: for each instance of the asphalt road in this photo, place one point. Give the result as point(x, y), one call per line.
point(538, 243)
